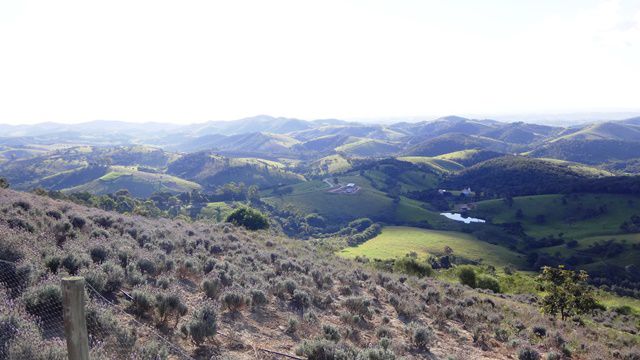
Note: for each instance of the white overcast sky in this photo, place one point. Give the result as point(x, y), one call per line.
point(190, 61)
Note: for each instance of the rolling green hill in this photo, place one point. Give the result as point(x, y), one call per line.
point(368, 148)
point(42, 169)
point(331, 164)
point(589, 151)
point(519, 175)
point(605, 131)
point(214, 170)
point(436, 164)
point(448, 143)
point(314, 197)
point(576, 216)
point(469, 157)
point(139, 184)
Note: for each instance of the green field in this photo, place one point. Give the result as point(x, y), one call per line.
point(368, 147)
point(217, 211)
point(458, 155)
point(331, 164)
point(407, 181)
point(576, 217)
point(627, 257)
point(313, 197)
point(439, 165)
point(397, 241)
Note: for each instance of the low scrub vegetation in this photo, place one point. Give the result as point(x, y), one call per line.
point(223, 290)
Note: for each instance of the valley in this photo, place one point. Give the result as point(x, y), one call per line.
point(427, 201)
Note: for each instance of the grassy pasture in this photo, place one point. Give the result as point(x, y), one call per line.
point(569, 216)
point(397, 241)
point(439, 165)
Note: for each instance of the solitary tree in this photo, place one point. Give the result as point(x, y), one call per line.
point(4, 184)
point(567, 292)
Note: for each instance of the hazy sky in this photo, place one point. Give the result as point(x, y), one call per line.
point(187, 61)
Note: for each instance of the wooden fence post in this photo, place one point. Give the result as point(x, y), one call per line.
point(75, 323)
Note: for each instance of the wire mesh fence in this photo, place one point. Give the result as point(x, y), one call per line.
point(32, 325)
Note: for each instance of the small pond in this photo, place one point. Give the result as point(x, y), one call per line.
point(458, 217)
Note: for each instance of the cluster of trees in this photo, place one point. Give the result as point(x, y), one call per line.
point(161, 204)
point(250, 218)
point(433, 197)
point(517, 176)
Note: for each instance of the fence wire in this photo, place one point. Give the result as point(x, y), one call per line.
point(131, 338)
point(32, 326)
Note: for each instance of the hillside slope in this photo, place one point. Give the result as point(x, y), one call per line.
point(521, 175)
point(214, 170)
point(265, 291)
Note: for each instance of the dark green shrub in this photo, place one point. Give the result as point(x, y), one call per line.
point(9, 325)
point(209, 265)
point(53, 263)
point(292, 326)
point(467, 277)
point(100, 323)
point(147, 266)
point(16, 223)
point(488, 282)
point(539, 330)
point(300, 300)
point(377, 353)
point(324, 350)
point(114, 277)
point(528, 353)
point(103, 221)
point(72, 264)
point(203, 324)
point(163, 283)
point(54, 214)
point(77, 222)
point(411, 266)
point(22, 204)
point(15, 278)
point(96, 279)
point(170, 305)
point(330, 332)
point(234, 301)
point(249, 218)
point(384, 332)
point(212, 288)
point(141, 303)
point(98, 254)
point(502, 335)
point(422, 338)
point(290, 286)
point(151, 351)
point(258, 298)
point(44, 301)
point(358, 305)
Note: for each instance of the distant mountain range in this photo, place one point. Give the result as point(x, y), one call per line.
point(267, 135)
point(267, 151)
